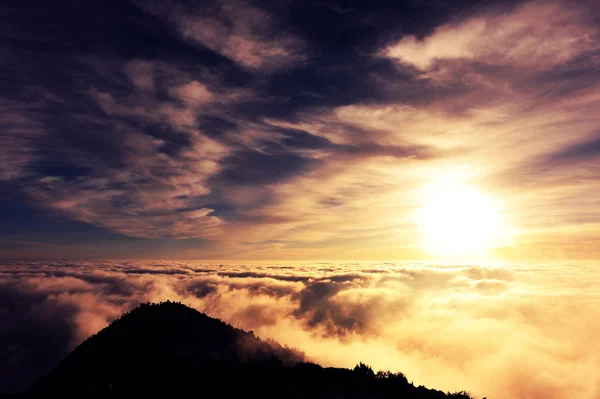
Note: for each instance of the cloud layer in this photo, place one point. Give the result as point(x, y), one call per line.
point(502, 331)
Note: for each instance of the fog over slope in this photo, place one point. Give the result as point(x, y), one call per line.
point(169, 350)
point(504, 331)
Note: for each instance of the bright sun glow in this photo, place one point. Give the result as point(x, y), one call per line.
point(457, 220)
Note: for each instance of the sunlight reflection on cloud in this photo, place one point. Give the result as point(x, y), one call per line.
point(492, 330)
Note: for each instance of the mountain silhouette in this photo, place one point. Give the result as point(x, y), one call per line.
point(169, 350)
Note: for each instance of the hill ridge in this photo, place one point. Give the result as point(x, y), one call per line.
point(169, 350)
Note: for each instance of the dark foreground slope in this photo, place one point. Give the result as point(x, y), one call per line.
point(172, 351)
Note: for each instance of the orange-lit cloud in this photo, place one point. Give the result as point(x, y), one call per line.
point(538, 35)
point(243, 134)
point(237, 30)
point(493, 330)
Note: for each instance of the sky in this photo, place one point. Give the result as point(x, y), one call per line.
point(411, 184)
point(299, 129)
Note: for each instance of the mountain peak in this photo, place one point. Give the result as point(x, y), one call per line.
point(169, 350)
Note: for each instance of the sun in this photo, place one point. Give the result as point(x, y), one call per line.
point(458, 220)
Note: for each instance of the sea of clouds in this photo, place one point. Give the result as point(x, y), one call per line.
point(501, 331)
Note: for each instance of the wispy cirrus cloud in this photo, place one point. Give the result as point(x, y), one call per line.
point(247, 35)
point(536, 35)
point(261, 134)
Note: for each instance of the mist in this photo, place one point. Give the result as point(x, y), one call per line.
point(501, 331)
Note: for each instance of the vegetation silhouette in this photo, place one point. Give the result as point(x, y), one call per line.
point(169, 350)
